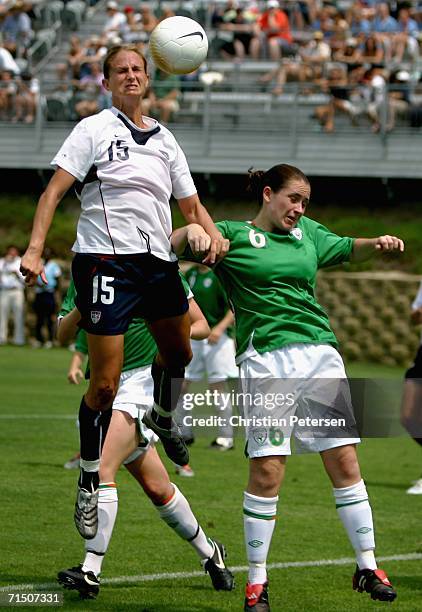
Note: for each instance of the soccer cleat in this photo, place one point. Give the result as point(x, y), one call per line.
point(86, 513)
point(374, 582)
point(185, 470)
point(416, 488)
point(73, 463)
point(222, 444)
point(221, 577)
point(256, 598)
point(86, 583)
point(171, 439)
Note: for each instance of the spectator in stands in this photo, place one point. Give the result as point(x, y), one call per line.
point(27, 97)
point(166, 12)
point(94, 52)
point(349, 54)
point(275, 32)
point(371, 50)
point(307, 68)
point(358, 24)
point(405, 42)
point(399, 97)
point(17, 30)
point(115, 20)
point(132, 30)
point(324, 22)
point(12, 296)
point(6, 60)
point(45, 300)
point(385, 26)
point(243, 26)
point(92, 97)
point(148, 20)
point(338, 87)
point(74, 55)
point(376, 83)
point(7, 94)
point(164, 97)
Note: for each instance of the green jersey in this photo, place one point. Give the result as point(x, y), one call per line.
point(209, 294)
point(139, 345)
point(270, 280)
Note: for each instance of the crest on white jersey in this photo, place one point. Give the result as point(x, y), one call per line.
point(95, 315)
point(297, 233)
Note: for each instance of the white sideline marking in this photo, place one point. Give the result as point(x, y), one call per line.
point(196, 574)
point(38, 416)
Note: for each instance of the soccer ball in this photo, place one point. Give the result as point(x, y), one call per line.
point(178, 45)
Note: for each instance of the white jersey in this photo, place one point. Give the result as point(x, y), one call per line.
point(126, 177)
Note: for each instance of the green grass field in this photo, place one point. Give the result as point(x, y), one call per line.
point(38, 538)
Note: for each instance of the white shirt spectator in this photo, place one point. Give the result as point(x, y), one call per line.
point(115, 20)
point(7, 62)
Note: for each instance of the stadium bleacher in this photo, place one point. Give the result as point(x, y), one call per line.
point(238, 104)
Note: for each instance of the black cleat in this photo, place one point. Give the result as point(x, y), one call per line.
point(86, 513)
point(256, 598)
point(171, 439)
point(75, 579)
point(221, 577)
point(374, 582)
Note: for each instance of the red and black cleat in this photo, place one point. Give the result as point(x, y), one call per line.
point(374, 582)
point(256, 598)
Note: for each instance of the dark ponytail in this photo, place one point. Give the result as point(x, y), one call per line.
point(276, 177)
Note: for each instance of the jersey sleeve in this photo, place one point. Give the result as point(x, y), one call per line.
point(331, 249)
point(68, 303)
point(81, 343)
point(181, 178)
point(77, 153)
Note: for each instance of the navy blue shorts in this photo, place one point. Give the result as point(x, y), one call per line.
point(112, 290)
point(415, 370)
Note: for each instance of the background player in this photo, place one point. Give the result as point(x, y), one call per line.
point(127, 440)
point(213, 357)
point(411, 408)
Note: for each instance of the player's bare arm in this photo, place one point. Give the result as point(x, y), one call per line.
point(199, 328)
point(365, 248)
point(193, 235)
point(195, 212)
point(67, 327)
point(31, 264)
point(219, 329)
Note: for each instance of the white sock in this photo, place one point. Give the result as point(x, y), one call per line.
point(107, 510)
point(178, 515)
point(89, 466)
point(356, 515)
point(259, 514)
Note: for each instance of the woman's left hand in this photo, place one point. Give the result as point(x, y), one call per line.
point(389, 243)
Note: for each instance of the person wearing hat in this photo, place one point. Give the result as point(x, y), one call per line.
point(115, 21)
point(274, 28)
point(17, 29)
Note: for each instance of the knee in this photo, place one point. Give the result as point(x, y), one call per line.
point(180, 357)
point(348, 468)
point(265, 481)
point(100, 397)
point(158, 491)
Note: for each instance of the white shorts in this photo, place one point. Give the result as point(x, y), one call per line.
point(216, 361)
point(284, 386)
point(135, 396)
